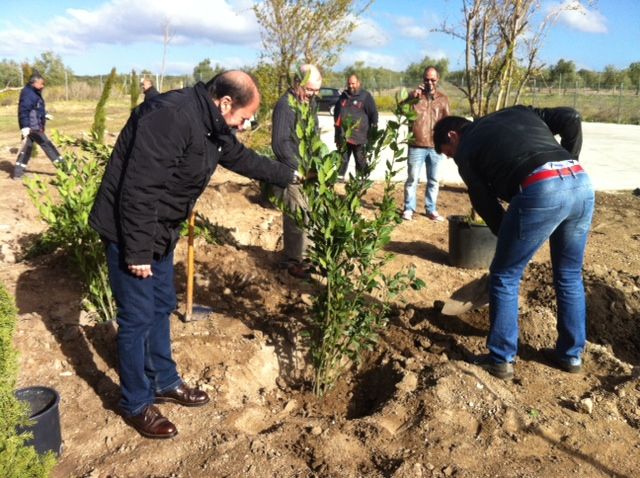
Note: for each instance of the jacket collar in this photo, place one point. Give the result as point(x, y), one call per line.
point(212, 118)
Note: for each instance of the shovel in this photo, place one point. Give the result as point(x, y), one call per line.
point(193, 312)
point(473, 295)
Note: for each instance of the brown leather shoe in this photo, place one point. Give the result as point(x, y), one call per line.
point(152, 424)
point(184, 395)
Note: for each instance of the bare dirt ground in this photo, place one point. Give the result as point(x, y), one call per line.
point(414, 409)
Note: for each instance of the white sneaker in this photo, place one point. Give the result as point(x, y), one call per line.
point(434, 216)
point(407, 215)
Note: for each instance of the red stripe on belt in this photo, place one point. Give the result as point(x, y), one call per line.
point(550, 174)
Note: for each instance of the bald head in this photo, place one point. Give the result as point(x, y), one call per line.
point(237, 85)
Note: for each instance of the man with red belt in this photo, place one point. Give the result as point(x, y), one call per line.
point(511, 155)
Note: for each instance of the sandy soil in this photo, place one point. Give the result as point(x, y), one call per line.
point(414, 409)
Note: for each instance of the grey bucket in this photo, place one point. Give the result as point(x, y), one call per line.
point(45, 413)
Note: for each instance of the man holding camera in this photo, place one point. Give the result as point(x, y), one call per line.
point(431, 106)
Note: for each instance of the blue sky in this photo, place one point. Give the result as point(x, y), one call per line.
point(92, 36)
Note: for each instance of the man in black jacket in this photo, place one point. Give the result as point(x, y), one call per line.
point(148, 90)
point(354, 107)
point(512, 156)
point(161, 163)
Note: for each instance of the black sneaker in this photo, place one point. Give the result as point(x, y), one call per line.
point(565, 364)
point(18, 171)
point(502, 370)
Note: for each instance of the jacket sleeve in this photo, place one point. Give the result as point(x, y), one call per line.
point(337, 120)
point(284, 146)
point(372, 111)
point(26, 104)
point(483, 199)
point(567, 123)
point(160, 141)
point(242, 160)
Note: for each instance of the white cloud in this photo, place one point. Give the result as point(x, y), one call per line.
point(577, 16)
point(370, 59)
point(368, 34)
point(407, 27)
point(125, 22)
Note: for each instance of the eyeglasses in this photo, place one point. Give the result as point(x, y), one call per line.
point(431, 80)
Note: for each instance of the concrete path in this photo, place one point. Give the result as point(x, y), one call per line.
point(610, 154)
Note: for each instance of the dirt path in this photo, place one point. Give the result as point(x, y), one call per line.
point(415, 409)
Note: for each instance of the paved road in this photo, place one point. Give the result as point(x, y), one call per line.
point(610, 154)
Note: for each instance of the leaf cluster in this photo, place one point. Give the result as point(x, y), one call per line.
point(65, 204)
point(16, 459)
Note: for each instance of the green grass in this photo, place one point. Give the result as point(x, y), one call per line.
point(604, 106)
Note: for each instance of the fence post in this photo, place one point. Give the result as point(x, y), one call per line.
point(620, 102)
point(575, 96)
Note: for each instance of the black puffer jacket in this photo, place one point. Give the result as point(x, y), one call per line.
point(360, 110)
point(498, 151)
point(161, 163)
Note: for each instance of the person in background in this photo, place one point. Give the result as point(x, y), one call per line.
point(148, 90)
point(284, 143)
point(431, 106)
point(162, 161)
point(354, 107)
point(32, 118)
point(512, 155)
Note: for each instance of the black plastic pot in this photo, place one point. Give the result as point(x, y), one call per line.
point(471, 245)
point(45, 413)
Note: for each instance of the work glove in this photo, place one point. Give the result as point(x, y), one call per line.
point(48, 116)
point(25, 132)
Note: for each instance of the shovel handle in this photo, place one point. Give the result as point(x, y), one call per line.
point(190, 266)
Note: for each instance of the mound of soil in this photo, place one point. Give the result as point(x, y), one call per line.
point(415, 407)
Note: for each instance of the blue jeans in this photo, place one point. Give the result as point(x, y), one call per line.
point(144, 334)
point(558, 209)
point(419, 157)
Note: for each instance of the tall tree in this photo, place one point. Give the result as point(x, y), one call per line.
point(565, 70)
point(100, 117)
point(51, 67)
point(414, 72)
point(203, 71)
point(313, 31)
point(633, 72)
point(10, 74)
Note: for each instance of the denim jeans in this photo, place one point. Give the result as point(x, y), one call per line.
point(144, 334)
point(419, 157)
point(558, 209)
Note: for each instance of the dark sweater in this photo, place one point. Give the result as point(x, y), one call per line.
point(284, 140)
point(360, 110)
point(498, 151)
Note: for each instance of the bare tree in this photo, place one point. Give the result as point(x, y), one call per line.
point(501, 48)
point(167, 36)
point(313, 31)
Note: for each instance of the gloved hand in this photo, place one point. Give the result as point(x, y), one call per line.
point(48, 116)
point(25, 132)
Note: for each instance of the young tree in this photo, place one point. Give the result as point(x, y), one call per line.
point(100, 117)
point(313, 31)
point(134, 90)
